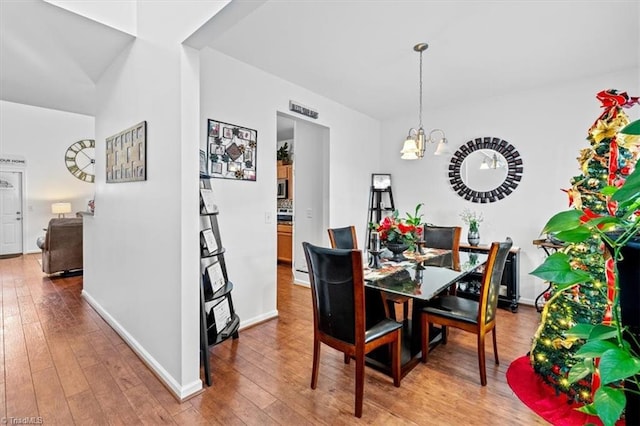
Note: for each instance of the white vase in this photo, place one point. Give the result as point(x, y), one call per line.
point(473, 237)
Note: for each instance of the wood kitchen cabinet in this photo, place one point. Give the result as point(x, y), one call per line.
point(285, 171)
point(285, 243)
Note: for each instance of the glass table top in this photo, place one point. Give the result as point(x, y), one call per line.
point(423, 279)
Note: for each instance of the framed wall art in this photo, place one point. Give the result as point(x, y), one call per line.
point(232, 151)
point(127, 155)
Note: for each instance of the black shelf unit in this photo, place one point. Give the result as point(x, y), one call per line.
point(380, 201)
point(509, 296)
point(213, 273)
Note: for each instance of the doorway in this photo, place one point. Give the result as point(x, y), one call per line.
point(310, 187)
point(11, 212)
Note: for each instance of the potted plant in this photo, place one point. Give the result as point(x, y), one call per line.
point(610, 350)
point(283, 155)
point(398, 234)
point(472, 219)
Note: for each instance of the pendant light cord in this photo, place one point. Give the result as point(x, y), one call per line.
point(420, 116)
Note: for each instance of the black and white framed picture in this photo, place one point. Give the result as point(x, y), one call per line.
point(203, 162)
point(215, 277)
point(209, 240)
point(380, 181)
point(232, 151)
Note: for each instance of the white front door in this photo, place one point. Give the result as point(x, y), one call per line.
point(11, 212)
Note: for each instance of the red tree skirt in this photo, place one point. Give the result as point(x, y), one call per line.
point(542, 398)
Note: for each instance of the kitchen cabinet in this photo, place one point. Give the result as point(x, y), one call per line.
point(285, 243)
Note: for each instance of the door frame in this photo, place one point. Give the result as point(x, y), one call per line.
point(23, 201)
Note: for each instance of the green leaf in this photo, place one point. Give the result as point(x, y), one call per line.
point(632, 128)
point(576, 235)
point(609, 403)
point(580, 370)
point(631, 188)
point(617, 364)
point(594, 349)
point(603, 332)
point(588, 409)
point(557, 269)
point(563, 221)
point(581, 331)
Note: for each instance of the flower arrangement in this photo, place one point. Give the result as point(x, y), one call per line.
point(395, 230)
point(472, 219)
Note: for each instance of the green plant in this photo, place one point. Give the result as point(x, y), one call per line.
point(283, 153)
point(395, 230)
point(472, 219)
point(607, 343)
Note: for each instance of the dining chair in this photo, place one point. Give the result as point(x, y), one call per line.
point(443, 237)
point(339, 313)
point(343, 238)
point(478, 317)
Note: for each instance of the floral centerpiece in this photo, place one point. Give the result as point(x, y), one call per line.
point(398, 233)
point(473, 220)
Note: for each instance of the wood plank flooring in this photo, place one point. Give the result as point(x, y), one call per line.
point(62, 363)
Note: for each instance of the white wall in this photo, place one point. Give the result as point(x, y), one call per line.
point(42, 136)
point(236, 93)
point(547, 126)
point(142, 273)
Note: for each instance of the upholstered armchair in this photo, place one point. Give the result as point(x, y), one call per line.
point(62, 246)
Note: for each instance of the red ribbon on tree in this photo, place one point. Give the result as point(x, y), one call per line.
point(612, 100)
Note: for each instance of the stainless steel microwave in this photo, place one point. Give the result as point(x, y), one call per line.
point(282, 188)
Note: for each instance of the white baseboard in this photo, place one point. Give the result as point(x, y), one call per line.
point(258, 319)
point(181, 393)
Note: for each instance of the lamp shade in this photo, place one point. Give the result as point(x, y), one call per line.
point(442, 148)
point(60, 208)
point(409, 150)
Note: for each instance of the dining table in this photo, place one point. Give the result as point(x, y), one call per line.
point(414, 281)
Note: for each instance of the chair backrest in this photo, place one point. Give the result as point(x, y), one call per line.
point(442, 237)
point(337, 290)
point(343, 238)
point(492, 279)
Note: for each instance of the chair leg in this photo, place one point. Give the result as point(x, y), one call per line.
point(495, 346)
point(396, 347)
point(481, 360)
point(347, 358)
point(359, 383)
point(425, 336)
point(316, 362)
point(445, 332)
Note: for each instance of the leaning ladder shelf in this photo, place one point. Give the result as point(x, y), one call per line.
point(218, 320)
point(380, 202)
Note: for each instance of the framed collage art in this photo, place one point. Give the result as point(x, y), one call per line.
point(232, 151)
point(127, 155)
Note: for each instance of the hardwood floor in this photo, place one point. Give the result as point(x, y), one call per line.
point(62, 363)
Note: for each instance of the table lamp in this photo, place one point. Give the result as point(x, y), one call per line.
point(60, 209)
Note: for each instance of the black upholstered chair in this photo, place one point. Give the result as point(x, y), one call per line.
point(343, 238)
point(444, 237)
point(477, 317)
point(337, 291)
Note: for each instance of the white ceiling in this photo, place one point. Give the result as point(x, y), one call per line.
point(52, 58)
point(359, 53)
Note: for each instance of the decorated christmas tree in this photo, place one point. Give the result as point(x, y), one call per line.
point(607, 161)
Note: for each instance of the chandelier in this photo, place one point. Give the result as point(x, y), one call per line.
point(414, 145)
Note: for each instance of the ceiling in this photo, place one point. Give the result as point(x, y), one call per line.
point(52, 58)
point(357, 53)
